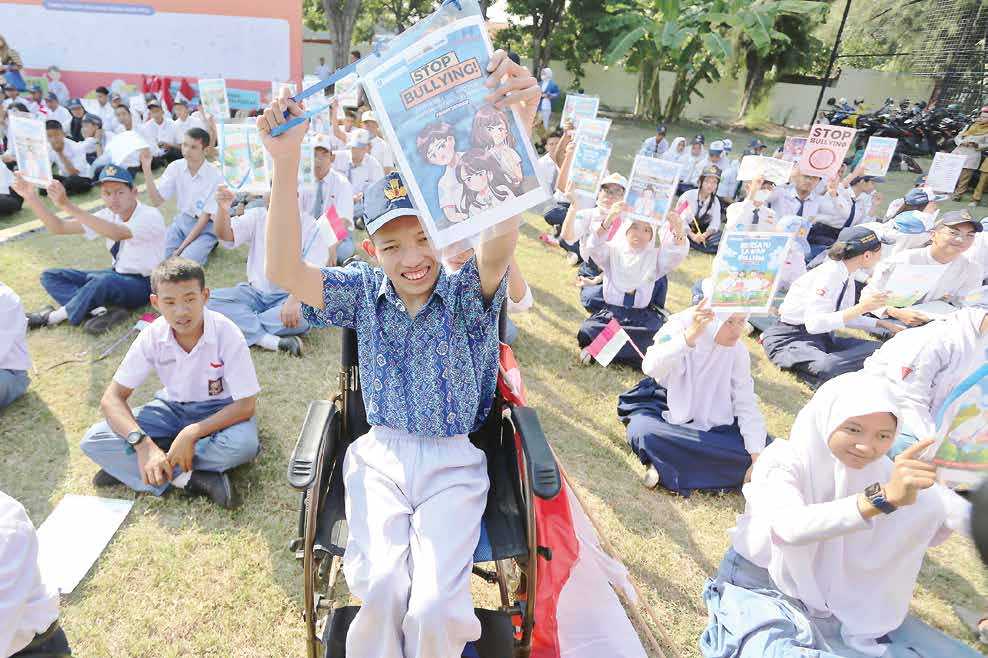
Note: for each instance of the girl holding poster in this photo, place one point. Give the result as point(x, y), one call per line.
point(700, 209)
point(694, 420)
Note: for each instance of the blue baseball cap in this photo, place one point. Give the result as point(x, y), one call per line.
point(911, 222)
point(859, 240)
point(385, 200)
point(73, 102)
point(114, 174)
point(920, 196)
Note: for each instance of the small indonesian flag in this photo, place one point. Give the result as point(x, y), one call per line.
point(336, 225)
point(145, 320)
point(608, 343)
point(615, 225)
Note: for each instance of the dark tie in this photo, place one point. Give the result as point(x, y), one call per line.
point(317, 207)
point(629, 300)
point(754, 217)
point(840, 297)
point(850, 218)
point(114, 250)
point(802, 202)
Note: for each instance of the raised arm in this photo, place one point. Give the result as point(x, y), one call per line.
point(221, 222)
point(673, 342)
point(53, 223)
point(154, 197)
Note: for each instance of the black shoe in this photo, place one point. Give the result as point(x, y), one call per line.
point(39, 319)
point(290, 344)
point(359, 223)
point(103, 323)
point(215, 486)
point(104, 479)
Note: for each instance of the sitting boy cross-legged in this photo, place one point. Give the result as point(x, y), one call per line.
point(416, 487)
point(201, 424)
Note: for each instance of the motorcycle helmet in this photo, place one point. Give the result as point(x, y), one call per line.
point(913, 222)
point(831, 101)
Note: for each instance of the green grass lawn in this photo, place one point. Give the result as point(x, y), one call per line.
point(183, 578)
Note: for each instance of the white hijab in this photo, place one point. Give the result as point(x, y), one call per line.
point(545, 77)
point(671, 154)
point(630, 269)
point(866, 578)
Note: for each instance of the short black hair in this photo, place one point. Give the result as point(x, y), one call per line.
point(52, 124)
point(102, 90)
point(199, 135)
point(355, 53)
point(176, 270)
point(21, 107)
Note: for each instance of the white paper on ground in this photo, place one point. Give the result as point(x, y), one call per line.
point(74, 536)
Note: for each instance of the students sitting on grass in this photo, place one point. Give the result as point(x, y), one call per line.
point(192, 182)
point(700, 210)
point(266, 314)
point(72, 169)
point(632, 267)
point(852, 203)
point(56, 111)
point(579, 222)
point(201, 424)
point(413, 321)
point(75, 108)
point(10, 201)
point(694, 420)
point(14, 358)
point(332, 190)
point(134, 236)
point(161, 134)
point(825, 558)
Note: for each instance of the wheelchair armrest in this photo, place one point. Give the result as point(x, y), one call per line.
point(542, 469)
point(302, 464)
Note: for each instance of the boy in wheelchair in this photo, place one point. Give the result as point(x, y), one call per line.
point(416, 487)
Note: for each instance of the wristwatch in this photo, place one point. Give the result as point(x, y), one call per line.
point(135, 438)
point(876, 496)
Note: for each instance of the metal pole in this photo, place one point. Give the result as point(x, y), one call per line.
point(833, 58)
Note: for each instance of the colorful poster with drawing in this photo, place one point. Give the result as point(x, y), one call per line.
point(467, 164)
point(906, 284)
point(962, 427)
point(878, 155)
point(348, 91)
point(746, 271)
point(825, 149)
point(592, 130)
point(242, 158)
point(775, 170)
point(578, 107)
point(588, 166)
point(30, 148)
point(213, 98)
point(651, 189)
point(945, 171)
point(792, 149)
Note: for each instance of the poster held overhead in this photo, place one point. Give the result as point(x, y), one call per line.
point(213, 98)
point(578, 107)
point(746, 271)
point(792, 149)
point(651, 189)
point(771, 169)
point(825, 149)
point(588, 166)
point(878, 155)
point(242, 158)
point(592, 130)
point(348, 91)
point(945, 171)
point(31, 149)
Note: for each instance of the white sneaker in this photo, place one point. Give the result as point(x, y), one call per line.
point(651, 477)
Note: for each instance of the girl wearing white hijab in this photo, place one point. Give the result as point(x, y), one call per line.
point(694, 420)
point(550, 90)
point(924, 364)
point(632, 265)
point(827, 552)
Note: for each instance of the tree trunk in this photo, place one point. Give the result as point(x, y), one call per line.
point(341, 18)
point(649, 103)
point(754, 80)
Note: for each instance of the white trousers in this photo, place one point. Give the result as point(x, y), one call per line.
point(414, 507)
point(545, 109)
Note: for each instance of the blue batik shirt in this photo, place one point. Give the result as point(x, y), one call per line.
point(431, 375)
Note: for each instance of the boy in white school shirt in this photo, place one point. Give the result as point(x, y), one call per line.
point(266, 314)
point(332, 189)
point(58, 111)
point(360, 167)
point(379, 147)
point(192, 182)
point(160, 132)
point(14, 359)
point(201, 424)
point(72, 169)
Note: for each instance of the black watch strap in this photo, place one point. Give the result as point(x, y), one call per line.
point(135, 437)
point(876, 496)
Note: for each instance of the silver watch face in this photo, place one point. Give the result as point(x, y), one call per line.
point(135, 437)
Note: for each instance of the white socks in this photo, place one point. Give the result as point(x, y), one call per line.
point(58, 315)
point(269, 342)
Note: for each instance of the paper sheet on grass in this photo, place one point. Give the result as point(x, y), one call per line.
point(74, 536)
point(775, 170)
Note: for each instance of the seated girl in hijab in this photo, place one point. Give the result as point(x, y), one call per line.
point(826, 555)
point(632, 267)
point(694, 420)
point(519, 299)
point(924, 364)
point(819, 303)
point(700, 209)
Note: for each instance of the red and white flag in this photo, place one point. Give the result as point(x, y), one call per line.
point(336, 225)
point(608, 343)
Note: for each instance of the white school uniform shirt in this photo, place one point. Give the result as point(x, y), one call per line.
point(161, 132)
point(141, 253)
point(382, 153)
point(689, 171)
point(336, 191)
point(691, 199)
point(63, 116)
point(842, 204)
point(977, 254)
point(193, 195)
point(654, 148)
point(219, 367)
point(784, 202)
point(74, 152)
point(585, 222)
point(956, 278)
point(27, 605)
point(108, 114)
point(670, 255)
point(13, 332)
point(250, 229)
point(360, 176)
point(728, 186)
point(708, 385)
point(183, 126)
point(547, 170)
point(58, 88)
point(812, 300)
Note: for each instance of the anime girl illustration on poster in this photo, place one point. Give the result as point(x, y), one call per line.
point(651, 189)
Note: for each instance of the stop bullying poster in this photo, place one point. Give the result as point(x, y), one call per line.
point(825, 149)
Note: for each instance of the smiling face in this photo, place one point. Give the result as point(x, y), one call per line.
point(639, 235)
point(404, 253)
point(182, 304)
point(609, 194)
point(860, 440)
point(949, 242)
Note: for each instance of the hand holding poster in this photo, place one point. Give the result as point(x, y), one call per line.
point(467, 164)
point(825, 149)
point(962, 427)
point(878, 155)
point(792, 150)
point(746, 271)
point(587, 168)
point(31, 149)
point(578, 107)
point(212, 96)
point(771, 169)
point(138, 107)
point(651, 189)
point(906, 284)
point(592, 130)
point(945, 171)
point(242, 158)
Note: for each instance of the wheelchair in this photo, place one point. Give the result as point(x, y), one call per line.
point(520, 466)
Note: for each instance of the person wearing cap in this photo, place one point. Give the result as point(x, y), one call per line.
point(77, 111)
point(134, 235)
point(700, 210)
point(332, 190)
point(550, 92)
point(192, 182)
point(358, 166)
point(970, 143)
point(379, 147)
point(956, 274)
point(921, 197)
point(819, 303)
point(93, 139)
point(57, 112)
point(56, 86)
point(69, 159)
point(11, 95)
point(35, 102)
point(853, 206)
point(579, 220)
point(656, 145)
point(412, 321)
point(756, 147)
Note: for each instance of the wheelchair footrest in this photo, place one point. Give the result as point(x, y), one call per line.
point(496, 633)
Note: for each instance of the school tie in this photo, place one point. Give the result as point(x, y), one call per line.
point(840, 297)
point(317, 206)
point(754, 217)
point(802, 202)
point(629, 300)
point(850, 218)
